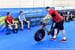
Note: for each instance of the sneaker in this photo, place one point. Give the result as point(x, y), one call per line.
point(7, 33)
point(53, 39)
point(63, 40)
point(15, 31)
point(22, 29)
point(28, 28)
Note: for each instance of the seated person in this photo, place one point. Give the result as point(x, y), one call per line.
point(22, 19)
point(10, 22)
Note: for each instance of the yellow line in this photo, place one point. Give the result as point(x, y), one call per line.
point(2, 19)
point(2, 22)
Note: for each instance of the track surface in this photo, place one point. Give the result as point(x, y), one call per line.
point(24, 40)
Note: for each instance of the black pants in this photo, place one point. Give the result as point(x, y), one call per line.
point(59, 25)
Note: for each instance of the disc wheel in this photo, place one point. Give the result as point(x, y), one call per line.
point(39, 35)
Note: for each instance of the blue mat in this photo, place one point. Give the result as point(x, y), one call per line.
point(24, 40)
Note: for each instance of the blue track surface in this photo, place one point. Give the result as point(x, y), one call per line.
point(24, 40)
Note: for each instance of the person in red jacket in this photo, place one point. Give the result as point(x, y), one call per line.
point(10, 22)
point(59, 21)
